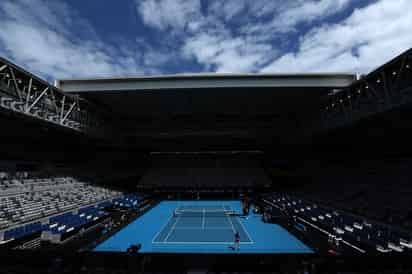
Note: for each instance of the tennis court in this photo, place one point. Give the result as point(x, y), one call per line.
point(202, 227)
point(202, 224)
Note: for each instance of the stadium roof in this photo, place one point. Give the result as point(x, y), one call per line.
point(251, 108)
point(205, 80)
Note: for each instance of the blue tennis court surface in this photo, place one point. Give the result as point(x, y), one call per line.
point(206, 231)
point(202, 225)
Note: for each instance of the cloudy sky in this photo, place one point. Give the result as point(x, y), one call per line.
point(63, 39)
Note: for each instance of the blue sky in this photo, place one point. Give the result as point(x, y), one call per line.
point(93, 38)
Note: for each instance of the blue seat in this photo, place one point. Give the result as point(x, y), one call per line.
point(8, 234)
point(104, 204)
point(60, 218)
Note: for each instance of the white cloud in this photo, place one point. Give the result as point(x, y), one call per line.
point(307, 11)
point(224, 54)
point(232, 35)
point(282, 17)
point(228, 9)
point(50, 39)
point(164, 14)
point(366, 39)
point(203, 34)
point(276, 15)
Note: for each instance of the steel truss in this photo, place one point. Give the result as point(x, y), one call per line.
point(22, 92)
point(387, 87)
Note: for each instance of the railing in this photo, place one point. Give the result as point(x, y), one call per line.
point(22, 92)
point(386, 88)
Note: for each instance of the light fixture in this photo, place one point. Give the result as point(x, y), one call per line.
point(394, 73)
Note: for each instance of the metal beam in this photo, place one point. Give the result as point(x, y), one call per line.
point(68, 112)
point(37, 99)
point(395, 81)
point(13, 77)
point(54, 100)
point(28, 94)
point(23, 93)
point(62, 109)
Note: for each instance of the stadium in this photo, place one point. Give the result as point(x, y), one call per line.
point(203, 172)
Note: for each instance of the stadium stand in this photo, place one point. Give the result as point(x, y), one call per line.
point(362, 207)
point(205, 171)
point(339, 225)
point(369, 188)
point(204, 177)
point(30, 205)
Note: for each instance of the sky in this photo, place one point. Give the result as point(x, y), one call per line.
point(93, 38)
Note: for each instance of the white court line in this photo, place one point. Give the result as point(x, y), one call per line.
point(206, 228)
point(201, 243)
point(245, 230)
point(203, 219)
point(243, 227)
point(171, 229)
point(230, 221)
point(163, 227)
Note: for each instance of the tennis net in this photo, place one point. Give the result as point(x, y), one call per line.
point(204, 213)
